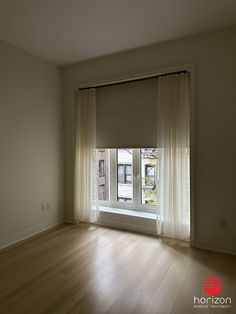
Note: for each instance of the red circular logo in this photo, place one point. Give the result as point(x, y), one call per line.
point(212, 285)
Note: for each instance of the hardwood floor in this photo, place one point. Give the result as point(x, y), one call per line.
point(93, 269)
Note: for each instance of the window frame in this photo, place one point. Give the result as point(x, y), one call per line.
point(136, 204)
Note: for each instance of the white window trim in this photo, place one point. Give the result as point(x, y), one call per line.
point(136, 205)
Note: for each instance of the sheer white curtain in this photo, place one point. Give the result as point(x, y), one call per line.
point(174, 148)
point(85, 209)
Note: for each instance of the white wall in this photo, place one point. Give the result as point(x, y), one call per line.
point(214, 55)
point(31, 144)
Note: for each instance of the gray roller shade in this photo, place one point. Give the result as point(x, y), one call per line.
point(127, 114)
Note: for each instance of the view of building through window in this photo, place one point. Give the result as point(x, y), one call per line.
point(101, 167)
point(149, 171)
point(125, 175)
point(128, 176)
point(102, 157)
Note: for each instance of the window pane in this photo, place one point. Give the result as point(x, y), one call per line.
point(102, 165)
point(149, 168)
point(125, 175)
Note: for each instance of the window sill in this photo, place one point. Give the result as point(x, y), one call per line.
point(128, 212)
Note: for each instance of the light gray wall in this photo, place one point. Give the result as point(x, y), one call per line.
point(31, 144)
point(214, 55)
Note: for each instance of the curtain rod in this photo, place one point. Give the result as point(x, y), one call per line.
point(132, 80)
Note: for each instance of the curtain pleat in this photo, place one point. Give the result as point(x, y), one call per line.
point(173, 219)
point(85, 208)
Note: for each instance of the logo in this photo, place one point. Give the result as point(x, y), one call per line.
point(212, 285)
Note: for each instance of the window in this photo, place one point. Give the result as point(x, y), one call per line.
point(149, 175)
point(101, 192)
point(124, 174)
point(101, 167)
point(132, 181)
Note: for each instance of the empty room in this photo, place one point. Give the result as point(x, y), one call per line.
point(117, 156)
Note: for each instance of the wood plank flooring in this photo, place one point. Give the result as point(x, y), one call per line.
point(93, 269)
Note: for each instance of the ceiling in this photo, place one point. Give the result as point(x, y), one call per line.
point(67, 31)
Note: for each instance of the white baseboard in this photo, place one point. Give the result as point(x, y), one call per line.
point(29, 232)
point(224, 248)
